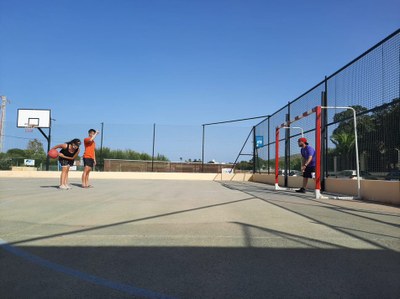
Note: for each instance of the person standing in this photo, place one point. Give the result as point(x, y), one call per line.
point(89, 157)
point(68, 153)
point(307, 162)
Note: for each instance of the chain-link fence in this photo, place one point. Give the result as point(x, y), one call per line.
point(182, 144)
point(371, 85)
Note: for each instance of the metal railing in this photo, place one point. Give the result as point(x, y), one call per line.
point(371, 85)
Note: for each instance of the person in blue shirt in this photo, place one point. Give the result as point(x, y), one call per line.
point(307, 162)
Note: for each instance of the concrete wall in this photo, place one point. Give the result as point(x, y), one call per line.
point(131, 175)
point(237, 177)
point(381, 191)
point(372, 190)
point(294, 181)
point(23, 168)
point(111, 175)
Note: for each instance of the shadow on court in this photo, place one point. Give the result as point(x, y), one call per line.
point(191, 272)
point(52, 186)
point(193, 240)
point(57, 186)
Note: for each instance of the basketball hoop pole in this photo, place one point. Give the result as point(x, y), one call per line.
point(48, 138)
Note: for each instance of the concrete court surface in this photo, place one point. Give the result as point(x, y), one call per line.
point(192, 239)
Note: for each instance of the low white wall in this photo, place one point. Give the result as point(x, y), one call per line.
point(130, 175)
point(23, 168)
point(372, 190)
point(111, 175)
point(293, 181)
point(237, 177)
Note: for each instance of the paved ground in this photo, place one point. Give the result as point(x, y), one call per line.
point(192, 239)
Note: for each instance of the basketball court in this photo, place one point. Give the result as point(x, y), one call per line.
point(192, 239)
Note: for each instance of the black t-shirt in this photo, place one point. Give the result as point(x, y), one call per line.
point(66, 152)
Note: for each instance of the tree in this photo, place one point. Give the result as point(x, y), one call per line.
point(16, 153)
point(365, 122)
point(343, 136)
point(379, 143)
point(344, 147)
point(344, 142)
point(36, 152)
point(387, 136)
point(244, 165)
point(5, 162)
point(108, 153)
point(295, 162)
point(378, 136)
point(35, 147)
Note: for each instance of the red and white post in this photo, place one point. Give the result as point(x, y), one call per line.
point(318, 124)
point(277, 158)
point(317, 111)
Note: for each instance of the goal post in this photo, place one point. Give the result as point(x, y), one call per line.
point(318, 125)
point(317, 111)
point(356, 150)
point(318, 150)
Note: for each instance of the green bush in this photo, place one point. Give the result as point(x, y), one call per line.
point(5, 164)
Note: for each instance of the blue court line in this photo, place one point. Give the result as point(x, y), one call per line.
point(131, 290)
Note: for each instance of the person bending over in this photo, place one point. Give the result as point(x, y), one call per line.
point(68, 153)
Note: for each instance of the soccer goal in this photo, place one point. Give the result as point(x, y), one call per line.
point(318, 150)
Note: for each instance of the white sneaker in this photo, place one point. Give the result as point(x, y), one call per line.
point(62, 187)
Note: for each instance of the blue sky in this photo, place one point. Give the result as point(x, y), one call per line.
point(174, 63)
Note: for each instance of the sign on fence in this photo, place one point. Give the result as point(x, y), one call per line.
point(259, 141)
point(29, 162)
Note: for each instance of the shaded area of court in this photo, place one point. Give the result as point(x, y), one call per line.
point(192, 239)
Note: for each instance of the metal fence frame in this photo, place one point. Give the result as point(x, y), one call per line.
point(319, 95)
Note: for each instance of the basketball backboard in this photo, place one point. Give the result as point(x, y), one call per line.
point(38, 118)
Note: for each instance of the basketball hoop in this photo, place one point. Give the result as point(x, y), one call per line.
point(29, 128)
